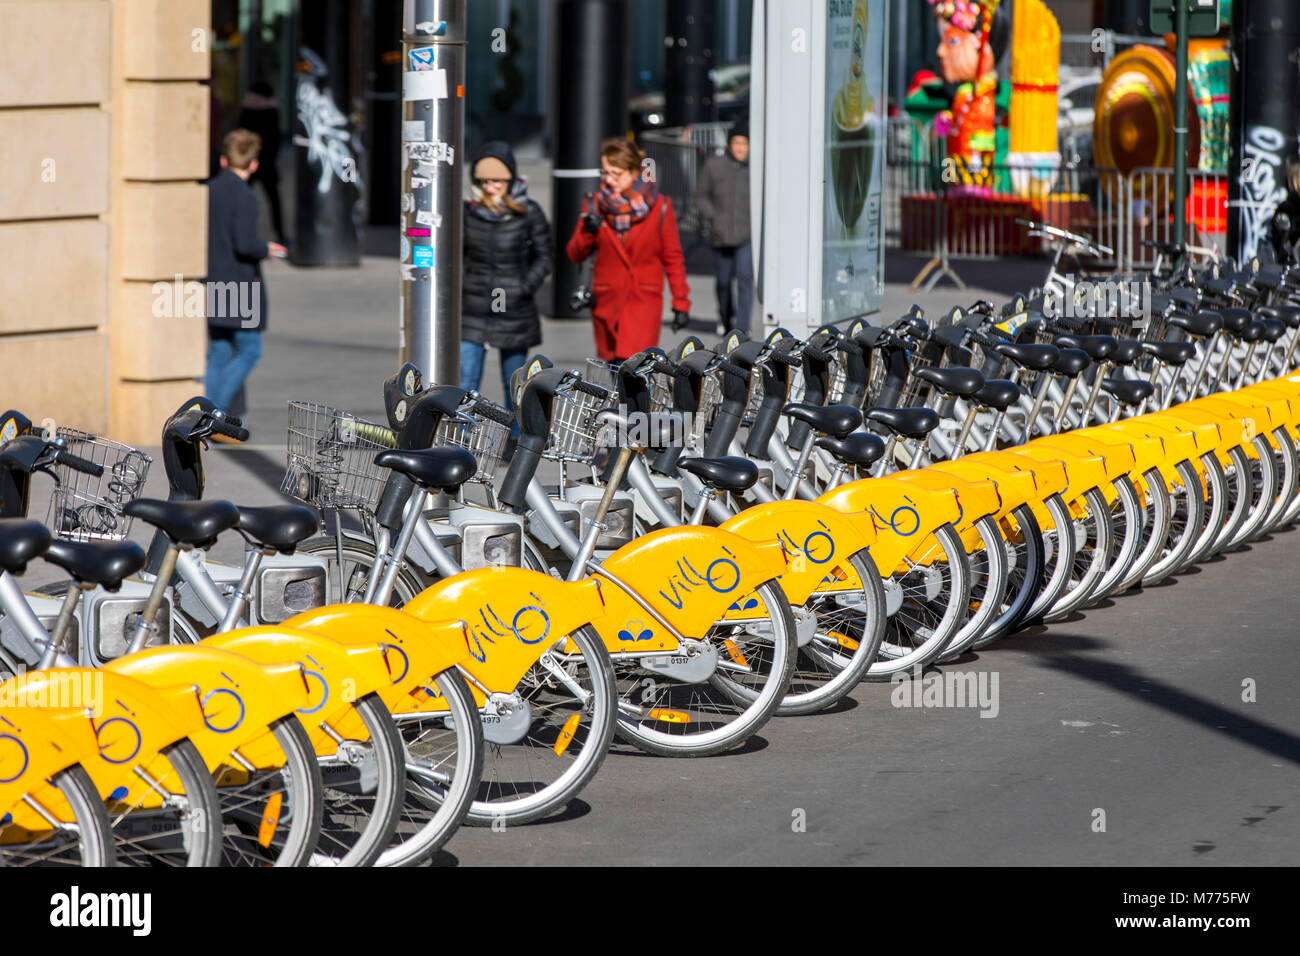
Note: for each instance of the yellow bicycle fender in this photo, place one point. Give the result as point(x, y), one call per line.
point(130, 722)
point(1049, 474)
point(35, 744)
point(1205, 435)
point(906, 515)
point(337, 674)
point(239, 697)
point(1015, 485)
point(1228, 436)
point(1118, 457)
point(1147, 451)
point(818, 543)
point(1257, 417)
point(1274, 391)
point(692, 577)
point(976, 497)
point(1083, 471)
point(511, 617)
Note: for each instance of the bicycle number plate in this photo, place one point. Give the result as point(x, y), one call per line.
point(694, 666)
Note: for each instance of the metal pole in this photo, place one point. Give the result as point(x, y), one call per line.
point(591, 55)
point(1180, 125)
point(432, 214)
point(690, 45)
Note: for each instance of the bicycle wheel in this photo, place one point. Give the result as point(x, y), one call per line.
point(674, 718)
point(989, 567)
point(86, 841)
point(846, 630)
point(1186, 514)
point(1128, 522)
point(358, 558)
point(1288, 466)
point(928, 602)
point(1264, 489)
point(1240, 494)
point(570, 703)
point(185, 830)
point(1214, 484)
point(365, 785)
point(1025, 556)
point(272, 814)
point(444, 763)
point(1158, 507)
point(1060, 546)
point(1092, 539)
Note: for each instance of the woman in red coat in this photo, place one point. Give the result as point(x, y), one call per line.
point(634, 234)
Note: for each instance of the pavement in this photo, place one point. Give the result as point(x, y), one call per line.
point(1123, 736)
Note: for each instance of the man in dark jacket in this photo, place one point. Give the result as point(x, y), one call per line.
point(508, 254)
point(236, 298)
point(722, 197)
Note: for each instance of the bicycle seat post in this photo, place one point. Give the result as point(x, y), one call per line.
point(55, 653)
point(597, 526)
point(146, 628)
point(243, 595)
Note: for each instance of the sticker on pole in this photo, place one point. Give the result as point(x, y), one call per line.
point(424, 85)
point(423, 257)
point(422, 58)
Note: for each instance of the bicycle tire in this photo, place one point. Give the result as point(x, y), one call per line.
point(774, 670)
point(1288, 478)
point(358, 559)
point(986, 601)
point(199, 825)
point(245, 807)
point(861, 625)
point(359, 818)
point(1155, 529)
point(1025, 575)
point(93, 843)
point(1264, 478)
point(1186, 515)
point(944, 611)
point(1217, 507)
point(1093, 536)
point(434, 808)
point(1128, 524)
point(587, 741)
point(1060, 545)
point(1240, 494)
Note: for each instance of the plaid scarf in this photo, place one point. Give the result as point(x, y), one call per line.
point(623, 211)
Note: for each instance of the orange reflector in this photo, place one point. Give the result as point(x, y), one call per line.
point(734, 651)
point(840, 574)
point(566, 735)
point(671, 716)
point(270, 819)
point(421, 695)
point(843, 640)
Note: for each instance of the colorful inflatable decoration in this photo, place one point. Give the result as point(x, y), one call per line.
point(1032, 117)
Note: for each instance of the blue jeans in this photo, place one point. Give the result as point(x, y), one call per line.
point(735, 262)
point(231, 357)
point(471, 367)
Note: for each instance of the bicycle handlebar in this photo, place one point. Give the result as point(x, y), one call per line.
point(229, 427)
point(491, 412)
point(77, 463)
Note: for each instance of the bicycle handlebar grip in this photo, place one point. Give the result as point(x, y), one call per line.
point(735, 371)
point(493, 413)
point(785, 358)
point(235, 421)
point(77, 463)
point(230, 428)
point(590, 389)
point(670, 368)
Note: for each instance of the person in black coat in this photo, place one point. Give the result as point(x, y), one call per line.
point(236, 297)
point(508, 254)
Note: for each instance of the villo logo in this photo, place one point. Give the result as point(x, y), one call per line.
point(77, 909)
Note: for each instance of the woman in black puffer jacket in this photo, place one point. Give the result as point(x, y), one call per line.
point(508, 254)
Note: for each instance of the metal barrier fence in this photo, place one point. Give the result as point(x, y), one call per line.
point(928, 213)
point(677, 157)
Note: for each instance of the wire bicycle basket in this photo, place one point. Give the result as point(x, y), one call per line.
point(575, 432)
point(483, 436)
point(330, 458)
point(86, 508)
